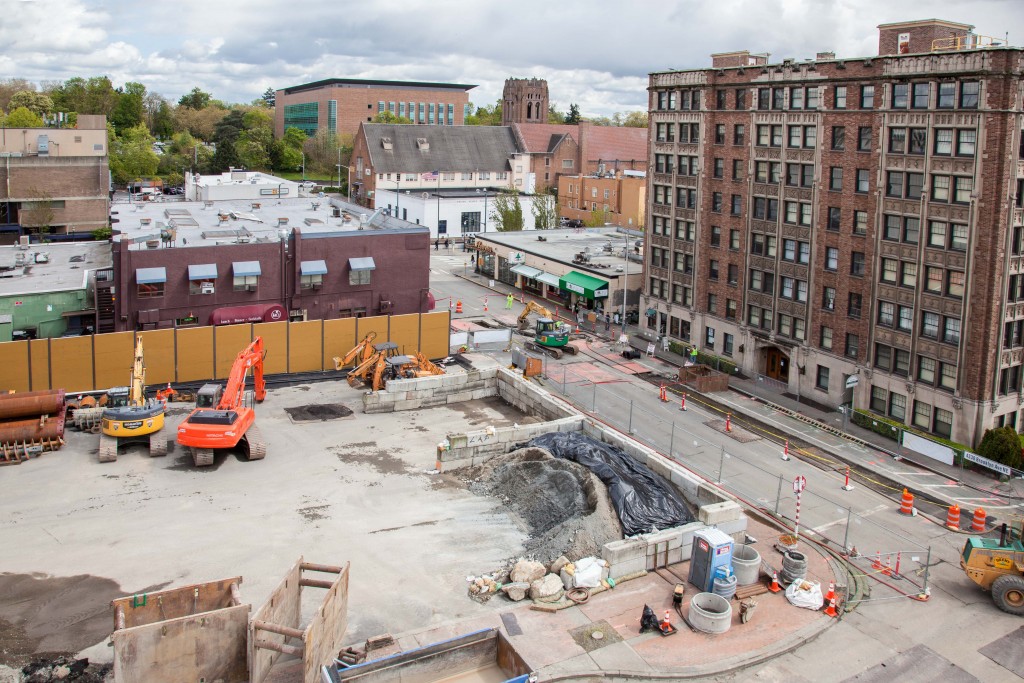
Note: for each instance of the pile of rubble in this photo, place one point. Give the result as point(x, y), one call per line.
point(65, 669)
point(540, 583)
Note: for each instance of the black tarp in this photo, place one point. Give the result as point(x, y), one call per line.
point(642, 499)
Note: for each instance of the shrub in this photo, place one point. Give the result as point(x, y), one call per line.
point(1001, 444)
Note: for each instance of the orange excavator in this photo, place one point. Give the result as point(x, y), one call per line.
point(360, 353)
point(224, 415)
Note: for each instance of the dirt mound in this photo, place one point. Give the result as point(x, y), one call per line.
point(563, 508)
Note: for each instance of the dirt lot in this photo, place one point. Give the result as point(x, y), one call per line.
point(78, 533)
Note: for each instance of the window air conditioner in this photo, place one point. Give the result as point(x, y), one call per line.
point(206, 289)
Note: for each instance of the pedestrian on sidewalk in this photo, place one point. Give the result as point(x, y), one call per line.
point(693, 354)
point(607, 322)
point(437, 243)
point(508, 301)
point(446, 243)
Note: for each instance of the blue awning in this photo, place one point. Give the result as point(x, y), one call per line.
point(150, 276)
point(246, 268)
point(202, 271)
point(313, 268)
point(362, 263)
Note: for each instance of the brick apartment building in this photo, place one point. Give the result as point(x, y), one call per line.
point(54, 180)
point(620, 197)
point(553, 150)
point(841, 218)
point(341, 104)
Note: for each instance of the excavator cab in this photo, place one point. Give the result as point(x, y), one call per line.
point(209, 395)
point(117, 397)
point(550, 333)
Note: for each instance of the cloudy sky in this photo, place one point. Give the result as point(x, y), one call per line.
point(592, 52)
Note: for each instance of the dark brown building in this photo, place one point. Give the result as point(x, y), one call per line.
point(374, 265)
point(840, 222)
point(524, 100)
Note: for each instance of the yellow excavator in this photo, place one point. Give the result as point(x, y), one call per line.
point(385, 363)
point(137, 421)
point(549, 336)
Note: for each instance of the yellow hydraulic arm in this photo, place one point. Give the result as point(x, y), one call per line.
point(534, 307)
point(137, 391)
point(363, 350)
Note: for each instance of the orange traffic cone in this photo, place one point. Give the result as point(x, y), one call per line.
point(774, 588)
point(666, 625)
point(458, 306)
point(831, 595)
point(728, 422)
point(953, 518)
point(907, 504)
point(485, 303)
point(831, 609)
point(978, 523)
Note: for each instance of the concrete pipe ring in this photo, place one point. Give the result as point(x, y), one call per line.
point(794, 566)
point(725, 587)
point(710, 613)
point(746, 565)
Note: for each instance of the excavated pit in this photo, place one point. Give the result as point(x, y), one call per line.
point(318, 412)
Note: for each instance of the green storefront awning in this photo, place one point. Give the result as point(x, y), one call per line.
point(584, 285)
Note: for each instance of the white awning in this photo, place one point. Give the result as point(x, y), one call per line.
point(313, 268)
point(202, 271)
point(526, 271)
point(246, 268)
point(548, 279)
point(365, 263)
point(150, 276)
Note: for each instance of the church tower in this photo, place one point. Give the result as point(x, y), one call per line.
point(524, 100)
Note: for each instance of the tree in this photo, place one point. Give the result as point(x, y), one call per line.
point(635, 119)
point(37, 103)
point(9, 86)
point(489, 115)
point(129, 111)
point(1001, 444)
point(23, 118)
point(225, 135)
point(253, 147)
point(597, 218)
point(545, 211)
point(159, 116)
point(37, 213)
point(202, 123)
point(195, 99)
point(269, 97)
point(573, 117)
point(508, 211)
point(555, 116)
point(131, 154)
point(388, 117)
point(323, 151)
point(287, 151)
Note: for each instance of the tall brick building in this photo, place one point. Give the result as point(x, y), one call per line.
point(524, 100)
point(341, 104)
point(820, 220)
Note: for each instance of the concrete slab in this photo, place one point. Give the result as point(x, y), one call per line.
point(619, 657)
point(1008, 651)
point(919, 663)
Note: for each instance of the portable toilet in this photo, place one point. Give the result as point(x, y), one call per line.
point(712, 548)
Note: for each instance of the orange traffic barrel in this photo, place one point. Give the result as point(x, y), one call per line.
point(978, 523)
point(953, 517)
point(458, 306)
point(907, 504)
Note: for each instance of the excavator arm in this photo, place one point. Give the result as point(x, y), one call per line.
point(137, 388)
point(534, 307)
point(250, 357)
point(363, 350)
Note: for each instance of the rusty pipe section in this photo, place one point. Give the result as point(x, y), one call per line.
point(31, 404)
point(28, 431)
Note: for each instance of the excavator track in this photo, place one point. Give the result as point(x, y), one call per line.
point(202, 457)
point(157, 446)
point(108, 448)
point(553, 352)
point(256, 447)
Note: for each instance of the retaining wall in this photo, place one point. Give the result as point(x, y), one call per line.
point(429, 392)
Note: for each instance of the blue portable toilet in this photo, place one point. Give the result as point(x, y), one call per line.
point(712, 549)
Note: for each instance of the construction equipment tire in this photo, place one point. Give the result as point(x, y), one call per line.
point(108, 448)
point(202, 457)
point(1008, 594)
point(256, 446)
point(157, 446)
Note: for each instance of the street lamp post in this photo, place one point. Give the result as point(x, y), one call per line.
point(303, 166)
point(625, 280)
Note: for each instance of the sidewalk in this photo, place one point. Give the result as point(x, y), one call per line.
point(926, 478)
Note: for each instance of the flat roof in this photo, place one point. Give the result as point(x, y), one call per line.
point(563, 245)
point(374, 83)
point(52, 267)
point(199, 224)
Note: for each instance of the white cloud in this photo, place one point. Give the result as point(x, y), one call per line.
point(595, 53)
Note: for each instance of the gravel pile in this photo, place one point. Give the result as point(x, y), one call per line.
point(563, 508)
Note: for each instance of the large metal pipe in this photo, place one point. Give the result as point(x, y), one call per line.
point(27, 431)
point(31, 403)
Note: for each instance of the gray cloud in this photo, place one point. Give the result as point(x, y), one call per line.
point(595, 53)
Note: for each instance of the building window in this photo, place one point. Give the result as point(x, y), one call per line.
point(879, 397)
point(245, 283)
point(897, 406)
point(864, 139)
point(730, 308)
point(889, 271)
point(716, 236)
point(930, 324)
point(150, 290)
point(741, 98)
point(832, 258)
point(867, 97)
point(828, 298)
point(709, 337)
point(926, 369)
point(718, 168)
point(716, 202)
point(825, 338)
point(857, 263)
point(712, 304)
point(727, 341)
point(738, 133)
point(900, 95)
point(883, 357)
point(947, 95)
point(840, 97)
point(734, 240)
point(720, 99)
point(969, 91)
point(737, 169)
point(962, 189)
point(955, 283)
point(906, 319)
point(920, 98)
point(918, 141)
point(733, 274)
point(894, 183)
point(737, 205)
point(908, 274)
point(943, 425)
point(311, 281)
point(886, 313)
point(922, 415)
point(852, 345)
point(838, 138)
point(944, 141)
point(713, 269)
point(719, 133)
point(567, 163)
point(966, 141)
point(940, 188)
point(853, 305)
point(835, 180)
point(822, 380)
point(951, 331)
point(897, 140)
point(860, 218)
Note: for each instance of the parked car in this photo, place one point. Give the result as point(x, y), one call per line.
point(574, 223)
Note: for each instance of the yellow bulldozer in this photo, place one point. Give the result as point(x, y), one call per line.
point(997, 565)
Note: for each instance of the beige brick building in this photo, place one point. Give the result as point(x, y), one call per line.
point(54, 180)
point(834, 218)
point(620, 197)
point(341, 104)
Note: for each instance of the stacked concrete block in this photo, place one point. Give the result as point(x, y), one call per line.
point(530, 398)
point(625, 557)
point(714, 514)
point(429, 392)
point(476, 447)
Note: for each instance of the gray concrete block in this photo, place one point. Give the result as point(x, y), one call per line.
point(483, 392)
point(627, 567)
point(716, 513)
point(626, 549)
point(406, 405)
point(733, 526)
point(459, 397)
